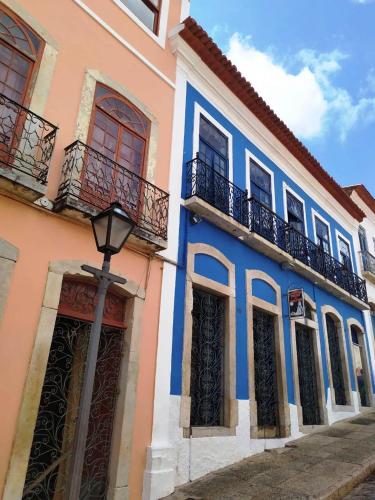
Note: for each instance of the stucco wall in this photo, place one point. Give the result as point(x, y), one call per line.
point(98, 37)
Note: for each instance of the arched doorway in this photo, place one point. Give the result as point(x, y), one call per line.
point(337, 361)
point(48, 471)
point(360, 364)
point(307, 369)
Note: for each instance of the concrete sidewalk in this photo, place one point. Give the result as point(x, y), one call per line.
point(324, 464)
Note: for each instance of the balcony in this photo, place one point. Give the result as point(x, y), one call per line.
point(368, 265)
point(26, 146)
point(91, 181)
point(212, 196)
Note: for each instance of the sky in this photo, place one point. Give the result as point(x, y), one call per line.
point(313, 61)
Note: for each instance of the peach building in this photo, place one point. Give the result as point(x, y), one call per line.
point(87, 92)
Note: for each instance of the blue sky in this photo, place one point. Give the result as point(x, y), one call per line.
point(314, 62)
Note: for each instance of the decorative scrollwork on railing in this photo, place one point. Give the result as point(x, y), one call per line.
point(26, 140)
point(95, 180)
point(204, 182)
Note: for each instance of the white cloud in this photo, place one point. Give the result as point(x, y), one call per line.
point(362, 2)
point(307, 98)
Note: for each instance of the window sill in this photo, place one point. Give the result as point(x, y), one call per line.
point(199, 432)
point(346, 408)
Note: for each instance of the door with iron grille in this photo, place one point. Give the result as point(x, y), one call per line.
point(359, 362)
point(207, 360)
point(266, 393)
point(49, 466)
point(336, 363)
point(307, 376)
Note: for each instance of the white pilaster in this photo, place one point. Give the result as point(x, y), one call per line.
point(159, 476)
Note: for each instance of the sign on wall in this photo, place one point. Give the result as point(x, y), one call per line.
point(296, 303)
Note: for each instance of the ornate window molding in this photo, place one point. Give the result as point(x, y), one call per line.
point(276, 310)
point(365, 360)
point(42, 77)
point(229, 292)
point(87, 103)
point(313, 325)
point(124, 416)
point(329, 310)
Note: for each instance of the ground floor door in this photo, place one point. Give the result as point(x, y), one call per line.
point(48, 472)
point(336, 361)
point(307, 376)
point(207, 360)
point(359, 362)
point(266, 392)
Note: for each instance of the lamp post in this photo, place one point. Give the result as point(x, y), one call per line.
point(112, 228)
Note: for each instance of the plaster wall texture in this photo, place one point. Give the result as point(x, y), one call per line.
point(96, 38)
point(199, 456)
point(55, 238)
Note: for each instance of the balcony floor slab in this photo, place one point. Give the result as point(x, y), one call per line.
point(75, 209)
point(253, 240)
point(20, 185)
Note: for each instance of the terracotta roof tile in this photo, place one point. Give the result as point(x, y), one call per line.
point(195, 36)
point(363, 193)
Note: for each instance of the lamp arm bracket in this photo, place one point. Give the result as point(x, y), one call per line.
point(100, 274)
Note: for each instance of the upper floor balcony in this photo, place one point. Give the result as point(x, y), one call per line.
point(91, 181)
point(215, 198)
point(26, 146)
point(368, 265)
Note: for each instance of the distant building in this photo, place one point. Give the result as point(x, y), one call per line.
point(365, 244)
point(253, 216)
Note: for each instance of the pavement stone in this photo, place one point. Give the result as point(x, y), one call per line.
point(326, 464)
point(365, 490)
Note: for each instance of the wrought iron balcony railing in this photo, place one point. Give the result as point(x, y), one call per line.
point(205, 183)
point(368, 262)
point(92, 179)
point(26, 140)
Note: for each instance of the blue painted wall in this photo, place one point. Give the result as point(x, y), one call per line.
point(210, 268)
point(244, 257)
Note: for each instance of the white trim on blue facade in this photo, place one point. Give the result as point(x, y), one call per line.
point(338, 236)
point(286, 188)
point(198, 111)
point(315, 214)
point(251, 156)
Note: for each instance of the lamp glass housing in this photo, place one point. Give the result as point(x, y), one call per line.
point(112, 228)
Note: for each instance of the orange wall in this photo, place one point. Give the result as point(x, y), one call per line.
point(43, 237)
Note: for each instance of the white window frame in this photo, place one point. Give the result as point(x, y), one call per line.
point(251, 156)
point(160, 38)
point(293, 193)
point(316, 215)
point(340, 235)
point(198, 112)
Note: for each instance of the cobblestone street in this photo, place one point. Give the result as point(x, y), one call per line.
point(324, 464)
point(365, 490)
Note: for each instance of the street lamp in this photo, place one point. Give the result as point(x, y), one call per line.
point(111, 227)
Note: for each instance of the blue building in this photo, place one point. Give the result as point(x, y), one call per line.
point(256, 224)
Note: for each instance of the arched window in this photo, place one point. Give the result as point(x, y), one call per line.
point(118, 130)
point(20, 49)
